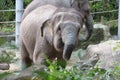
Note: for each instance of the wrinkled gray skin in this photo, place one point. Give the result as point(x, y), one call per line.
point(49, 32)
point(80, 5)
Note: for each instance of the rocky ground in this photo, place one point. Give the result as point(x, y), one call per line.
point(8, 56)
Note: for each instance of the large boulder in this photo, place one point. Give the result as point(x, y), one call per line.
point(108, 54)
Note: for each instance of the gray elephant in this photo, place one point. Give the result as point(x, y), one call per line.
point(80, 5)
point(49, 32)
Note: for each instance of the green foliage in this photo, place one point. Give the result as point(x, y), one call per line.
point(77, 73)
point(104, 5)
point(2, 41)
point(117, 46)
point(114, 29)
point(7, 51)
point(6, 56)
point(4, 74)
point(7, 28)
point(116, 72)
point(26, 2)
point(7, 5)
point(7, 16)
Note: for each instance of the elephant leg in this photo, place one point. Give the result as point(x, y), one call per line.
point(25, 60)
point(38, 55)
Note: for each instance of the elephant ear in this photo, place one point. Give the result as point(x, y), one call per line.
point(43, 14)
point(43, 26)
point(56, 21)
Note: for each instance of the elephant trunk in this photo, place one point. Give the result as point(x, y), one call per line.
point(69, 39)
point(89, 26)
point(67, 51)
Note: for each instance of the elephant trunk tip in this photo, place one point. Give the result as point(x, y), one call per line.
point(67, 51)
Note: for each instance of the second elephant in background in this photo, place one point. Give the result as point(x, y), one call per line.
point(81, 5)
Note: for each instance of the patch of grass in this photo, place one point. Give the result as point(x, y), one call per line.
point(7, 28)
point(2, 41)
point(8, 45)
point(6, 56)
point(7, 52)
point(4, 74)
point(114, 29)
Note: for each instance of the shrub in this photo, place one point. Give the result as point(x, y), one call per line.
point(77, 73)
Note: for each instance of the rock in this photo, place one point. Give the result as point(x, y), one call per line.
point(4, 66)
point(89, 63)
point(108, 53)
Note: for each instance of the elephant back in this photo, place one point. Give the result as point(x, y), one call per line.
point(42, 14)
point(38, 3)
point(38, 16)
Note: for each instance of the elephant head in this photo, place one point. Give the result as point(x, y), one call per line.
point(84, 8)
point(66, 24)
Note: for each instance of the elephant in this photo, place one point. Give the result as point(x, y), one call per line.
point(49, 32)
point(80, 5)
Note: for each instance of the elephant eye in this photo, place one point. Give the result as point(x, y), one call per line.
point(87, 11)
point(58, 29)
point(78, 28)
point(78, 31)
